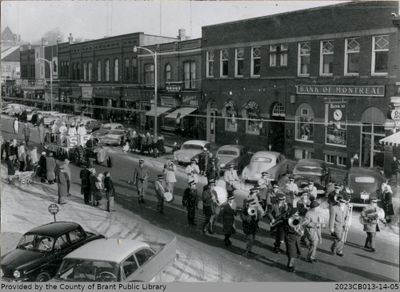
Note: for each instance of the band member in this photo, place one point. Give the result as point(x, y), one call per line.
point(370, 217)
point(291, 239)
point(311, 190)
point(312, 225)
point(332, 199)
point(231, 178)
point(160, 188)
point(228, 213)
point(212, 171)
point(263, 193)
point(210, 206)
point(189, 201)
point(271, 198)
point(277, 215)
point(337, 224)
point(140, 178)
point(291, 186)
point(192, 171)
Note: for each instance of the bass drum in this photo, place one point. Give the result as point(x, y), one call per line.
point(221, 194)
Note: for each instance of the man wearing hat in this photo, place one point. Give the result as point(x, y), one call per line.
point(140, 178)
point(311, 190)
point(370, 216)
point(160, 188)
point(292, 187)
point(337, 224)
point(210, 205)
point(312, 225)
point(85, 184)
point(332, 199)
point(231, 178)
point(227, 214)
point(212, 171)
point(189, 200)
point(204, 159)
point(192, 171)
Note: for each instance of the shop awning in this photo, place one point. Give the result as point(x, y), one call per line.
point(392, 140)
point(160, 110)
point(183, 111)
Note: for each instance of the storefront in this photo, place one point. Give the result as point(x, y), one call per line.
point(105, 99)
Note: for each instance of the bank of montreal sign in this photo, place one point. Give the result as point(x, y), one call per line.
point(342, 90)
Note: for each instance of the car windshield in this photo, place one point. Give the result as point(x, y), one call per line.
point(35, 242)
point(261, 159)
point(228, 152)
point(79, 270)
point(192, 147)
point(305, 168)
point(364, 179)
point(116, 132)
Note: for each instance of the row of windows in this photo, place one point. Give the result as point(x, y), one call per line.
point(278, 56)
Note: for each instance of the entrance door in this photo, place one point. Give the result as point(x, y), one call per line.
point(211, 125)
point(371, 151)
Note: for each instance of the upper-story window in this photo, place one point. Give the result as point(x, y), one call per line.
point(168, 73)
point(210, 64)
point(278, 55)
point(107, 70)
point(380, 55)
point(189, 74)
point(304, 52)
point(326, 58)
point(224, 57)
point(239, 62)
point(127, 69)
point(255, 62)
point(134, 69)
point(85, 71)
point(116, 70)
point(351, 56)
point(78, 71)
point(149, 74)
point(98, 70)
point(90, 71)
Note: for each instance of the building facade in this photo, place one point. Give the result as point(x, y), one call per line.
point(302, 85)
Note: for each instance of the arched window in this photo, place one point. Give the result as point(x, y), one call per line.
point(230, 112)
point(304, 123)
point(107, 70)
point(168, 73)
point(278, 110)
point(251, 113)
point(98, 70)
point(116, 70)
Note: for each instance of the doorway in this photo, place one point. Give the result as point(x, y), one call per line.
point(211, 120)
point(276, 135)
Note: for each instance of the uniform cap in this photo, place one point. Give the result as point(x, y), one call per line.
point(264, 173)
point(192, 182)
point(281, 196)
point(141, 160)
point(211, 181)
point(314, 204)
point(254, 189)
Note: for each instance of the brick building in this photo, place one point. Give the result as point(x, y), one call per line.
point(311, 83)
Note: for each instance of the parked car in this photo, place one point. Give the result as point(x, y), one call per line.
point(116, 260)
point(273, 162)
point(362, 182)
point(189, 150)
point(40, 251)
point(312, 169)
point(113, 137)
point(105, 128)
point(232, 154)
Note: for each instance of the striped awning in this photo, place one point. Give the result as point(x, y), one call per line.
point(392, 140)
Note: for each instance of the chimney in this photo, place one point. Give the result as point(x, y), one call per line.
point(182, 34)
point(70, 38)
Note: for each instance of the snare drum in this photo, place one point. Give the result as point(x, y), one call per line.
point(168, 197)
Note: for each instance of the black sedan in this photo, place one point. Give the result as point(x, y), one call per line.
point(314, 170)
point(41, 250)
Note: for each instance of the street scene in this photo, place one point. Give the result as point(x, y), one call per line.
point(256, 149)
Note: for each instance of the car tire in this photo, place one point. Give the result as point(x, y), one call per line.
point(43, 277)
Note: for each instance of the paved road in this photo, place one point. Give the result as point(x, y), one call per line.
point(357, 265)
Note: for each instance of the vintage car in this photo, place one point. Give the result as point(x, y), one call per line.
point(91, 124)
point(116, 260)
point(232, 154)
point(189, 150)
point(362, 182)
point(105, 128)
point(40, 251)
point(272, 162)
point(113, 137)
point(312, 169)
point(54, 117)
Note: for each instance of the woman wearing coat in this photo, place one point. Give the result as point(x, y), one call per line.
point(227, 215)
point(109, 190)
point(387, 203)
point(50, 168)
point(62, 183)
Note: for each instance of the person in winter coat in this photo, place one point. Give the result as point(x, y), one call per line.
point(27, 133)
point(312, 228)
point(160, 189)
point(170, 178)
point(386, 201)
point(189, 200)
point(99, 189)
point(62, 183)
point(109, 191)
point(41, 131)
point(50, 168)
point(84, 175)
point(41, 172)
point(11, 166)
point(227, 215)
point(16, 127)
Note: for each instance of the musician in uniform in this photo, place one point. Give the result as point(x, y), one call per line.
point(210, 205)
point(160, 187)
point(231, 178)
point(337, 224)
point(140, 178)
point(291, 186)
point(291, 235)
point(332, 199)
point(263, 193)
point(312, 225)
point(189, 200)
point(371, 216)
point(311, 190)
point(212, 171)
point(227, 214)
point(192, 171)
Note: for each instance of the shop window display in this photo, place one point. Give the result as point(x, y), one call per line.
point(305, 124)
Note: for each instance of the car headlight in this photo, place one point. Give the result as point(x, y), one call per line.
point(222, 165)
point(16, 274)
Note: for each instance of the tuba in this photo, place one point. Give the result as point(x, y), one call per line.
point(254, 207)
point(296, 223)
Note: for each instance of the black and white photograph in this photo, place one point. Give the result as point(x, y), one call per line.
point(200, 141)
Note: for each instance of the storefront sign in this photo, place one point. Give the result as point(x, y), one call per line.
point(342, 90)
point(191, 100)
point(87, 92)
point(107, 92)
point(173, 87)
point(168, 101)
point(336, 112)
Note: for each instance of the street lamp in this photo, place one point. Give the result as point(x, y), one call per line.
point(154, 53)
point(51, 81)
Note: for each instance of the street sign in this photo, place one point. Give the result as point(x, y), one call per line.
point(53, 209)
point(395, 114)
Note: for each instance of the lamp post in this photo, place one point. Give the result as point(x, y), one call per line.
point(154, 54)
point(51, 81)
